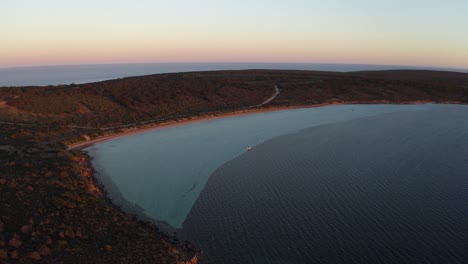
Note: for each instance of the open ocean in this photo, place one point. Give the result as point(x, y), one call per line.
point(53, 75)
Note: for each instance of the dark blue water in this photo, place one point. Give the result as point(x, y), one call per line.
point(53, 75)
point(163, 171)
point(391, 188)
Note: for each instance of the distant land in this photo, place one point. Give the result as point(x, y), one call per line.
point(53, 208)
point(66, 74)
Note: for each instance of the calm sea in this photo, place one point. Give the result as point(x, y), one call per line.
point(53, 75)
point(338, 184)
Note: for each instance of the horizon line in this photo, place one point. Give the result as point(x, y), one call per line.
point(422, 67)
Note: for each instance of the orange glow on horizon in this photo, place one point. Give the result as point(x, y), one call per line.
point(67, 55)
point(52, 32)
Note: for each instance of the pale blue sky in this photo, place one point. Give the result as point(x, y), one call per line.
point(431, 33)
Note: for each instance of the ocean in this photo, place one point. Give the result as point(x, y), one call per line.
point(336, 184)
point(55, 75)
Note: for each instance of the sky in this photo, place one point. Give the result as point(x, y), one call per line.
point(397, 32)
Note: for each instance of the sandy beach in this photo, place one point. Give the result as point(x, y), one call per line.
point(184, 121)
point(201, 118)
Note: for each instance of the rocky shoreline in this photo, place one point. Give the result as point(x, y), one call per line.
point(54, 211)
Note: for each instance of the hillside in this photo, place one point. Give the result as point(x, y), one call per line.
point(138, 99)
point(52, 210)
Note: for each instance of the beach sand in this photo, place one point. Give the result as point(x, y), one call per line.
point(201, 118)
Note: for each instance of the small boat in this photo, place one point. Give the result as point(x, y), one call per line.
point(249, 148)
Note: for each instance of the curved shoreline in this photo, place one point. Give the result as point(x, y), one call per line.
point(177, 122)
point(207, 117)
point(129, 208)
point(46, 149)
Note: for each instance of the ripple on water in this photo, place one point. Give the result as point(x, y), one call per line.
point(384, 189)
point(161, 173)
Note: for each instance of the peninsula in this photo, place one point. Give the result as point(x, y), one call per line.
point(52, 208)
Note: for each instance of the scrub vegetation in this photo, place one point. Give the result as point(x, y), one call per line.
point(52, 210)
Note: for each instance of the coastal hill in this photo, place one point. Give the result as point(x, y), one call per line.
point(52, 209)
point(138, 99)
point(135, 99)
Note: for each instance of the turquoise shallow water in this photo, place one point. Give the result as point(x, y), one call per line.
point(162, 172)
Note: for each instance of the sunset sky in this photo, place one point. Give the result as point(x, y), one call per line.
point(398, 32)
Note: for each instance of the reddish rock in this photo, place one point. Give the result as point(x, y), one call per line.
point(49, 174)
point(64, 174)
point(69, 195)
point(14, 254)
point(2, 181)
point(12, 184)
point(72, 196)
point(61, 234)
point(48, 241)
point(78, 234)
point(34, 255)
point(193, 260)
point(86, 173)
point(30, 188)
point(26, 229)
point(15, 242)
point(3, 254)
point(44, 250)
point(69, 233)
